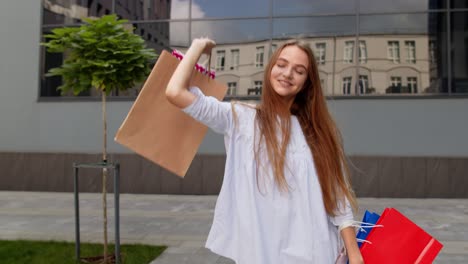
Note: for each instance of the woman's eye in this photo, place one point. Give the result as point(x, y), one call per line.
point(280, 65)
point(300, 72)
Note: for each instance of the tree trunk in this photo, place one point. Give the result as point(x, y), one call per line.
point(104, 173)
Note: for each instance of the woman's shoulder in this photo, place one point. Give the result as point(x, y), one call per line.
point(243, 109)
point(243, 115)
point(244, 106)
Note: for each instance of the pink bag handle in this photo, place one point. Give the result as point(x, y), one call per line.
point(179, 55)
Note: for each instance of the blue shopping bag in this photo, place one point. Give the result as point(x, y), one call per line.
point(368, 222)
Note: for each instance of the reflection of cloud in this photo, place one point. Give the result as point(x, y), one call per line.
point(394, 24)
point(384, 5)
point(180, 9)
point(238, 31)
point(305, 7)
point(222, 32)
point(179, 30)
point(229, 31)
point(313, 26)
point(178, 34)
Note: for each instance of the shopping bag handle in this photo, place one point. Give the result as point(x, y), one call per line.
point(209, 64)
point(204, 70)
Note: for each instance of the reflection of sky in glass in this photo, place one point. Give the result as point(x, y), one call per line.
point(178, 34)
point(459, 4)
point(314, 26)
point(305, 7)
point(394, 24)
point(237, 31)
point(230, 8)
point(180, 9)
point(232, 31)
point(394, 5)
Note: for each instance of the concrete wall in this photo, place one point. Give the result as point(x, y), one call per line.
point(410, 177)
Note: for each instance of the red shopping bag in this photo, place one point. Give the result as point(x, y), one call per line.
point(399, 241)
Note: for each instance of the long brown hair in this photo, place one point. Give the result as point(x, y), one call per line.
point(320, 131)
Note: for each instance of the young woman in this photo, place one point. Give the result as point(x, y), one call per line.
point(285, 197)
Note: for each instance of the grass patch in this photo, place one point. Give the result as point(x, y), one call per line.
point(53, 252)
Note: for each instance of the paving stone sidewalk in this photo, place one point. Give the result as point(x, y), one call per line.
point(183, 222)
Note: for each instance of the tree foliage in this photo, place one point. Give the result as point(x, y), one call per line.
point(102, 53)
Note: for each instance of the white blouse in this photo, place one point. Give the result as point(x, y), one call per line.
point(255, 223)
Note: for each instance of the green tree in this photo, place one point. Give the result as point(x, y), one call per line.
point(102, 53)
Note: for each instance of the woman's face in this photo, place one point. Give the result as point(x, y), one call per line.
point(289, 73)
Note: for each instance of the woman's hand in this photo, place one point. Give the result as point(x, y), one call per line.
point(177, 89)
point(205, 44)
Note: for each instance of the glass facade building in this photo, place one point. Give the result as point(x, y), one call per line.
point(364, 48)
point(395, 73)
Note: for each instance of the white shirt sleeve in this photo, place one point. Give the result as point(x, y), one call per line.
point(210, 111)
point(344, 216)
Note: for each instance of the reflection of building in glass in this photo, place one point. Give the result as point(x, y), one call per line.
point(353, 58)
point(383, 58)
point(60, 12)
point(72, 11)
point(387, 64)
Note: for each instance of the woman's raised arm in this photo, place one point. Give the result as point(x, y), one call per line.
point(177, 89)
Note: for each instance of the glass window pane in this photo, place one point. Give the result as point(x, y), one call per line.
point(459, 4)
point(437, 4)
point(235, 59)
point(346, 86)
point(232, 89)
point(332, 40)
point(220, 60)
point(242, 47)
point(229, 8)
point(72, 11)
point(314, 26)
point(49, 85)
point(362, 52)
point(459, 51)
point(152, 10)
point(259, 57)
point(369, 6)
point(232, 31)
point(239, 66)
point(48, 61)
point(304, 7)
point(158, 36)
point(406, 54)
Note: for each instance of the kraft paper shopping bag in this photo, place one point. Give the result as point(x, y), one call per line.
point(158, 130)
